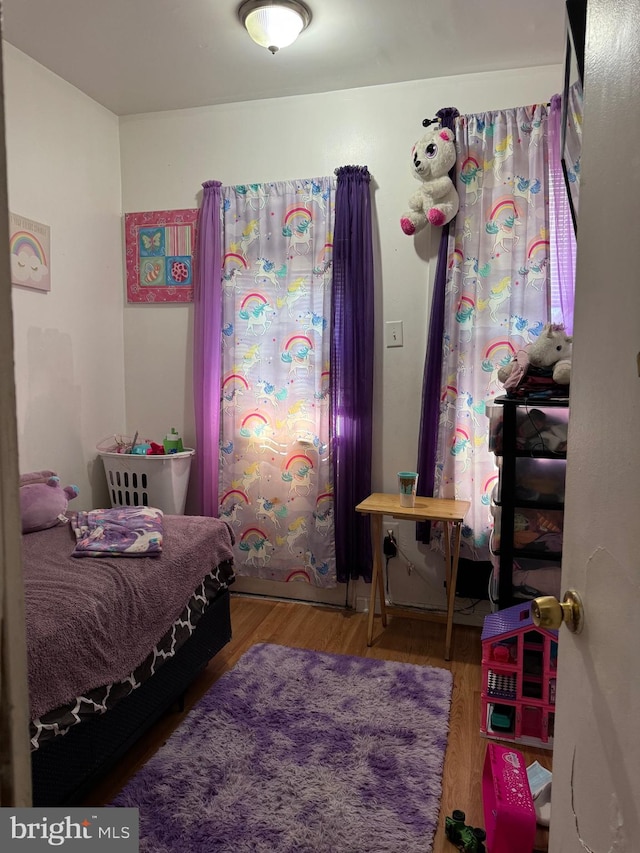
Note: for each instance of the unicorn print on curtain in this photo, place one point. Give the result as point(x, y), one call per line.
point(276, 483)
point(496, 295)
point(573, 143)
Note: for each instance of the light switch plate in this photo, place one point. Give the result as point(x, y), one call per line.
point(393, 333)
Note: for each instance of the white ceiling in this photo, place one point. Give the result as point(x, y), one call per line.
point(137, 56)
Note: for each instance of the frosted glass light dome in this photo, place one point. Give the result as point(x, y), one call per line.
point(274, 24)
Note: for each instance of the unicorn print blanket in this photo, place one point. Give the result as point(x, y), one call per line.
point(126, 531)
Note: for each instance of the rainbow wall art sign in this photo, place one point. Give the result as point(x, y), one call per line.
point(29, 248)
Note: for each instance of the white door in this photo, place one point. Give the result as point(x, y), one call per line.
point(596, 763)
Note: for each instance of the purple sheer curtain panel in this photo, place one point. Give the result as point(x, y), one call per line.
point(562, 237)
point(207, 336)
point(428, 435)
point(352, 370)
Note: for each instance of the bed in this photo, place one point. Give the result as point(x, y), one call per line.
point(113, 641)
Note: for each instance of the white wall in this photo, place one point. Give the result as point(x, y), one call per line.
point(167, 156)
point(63, 165)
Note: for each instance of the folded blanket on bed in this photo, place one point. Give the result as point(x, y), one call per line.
point(127, 531)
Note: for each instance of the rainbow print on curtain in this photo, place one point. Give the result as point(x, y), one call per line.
point(496, 296)
point(276, 484)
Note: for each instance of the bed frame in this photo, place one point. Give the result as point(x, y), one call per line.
point(65, 768)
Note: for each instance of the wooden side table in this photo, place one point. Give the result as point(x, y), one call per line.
point(451, 513)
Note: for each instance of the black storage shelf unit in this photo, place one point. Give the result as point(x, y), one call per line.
point(508, 503)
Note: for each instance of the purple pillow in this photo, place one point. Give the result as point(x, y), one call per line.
point(43, 501)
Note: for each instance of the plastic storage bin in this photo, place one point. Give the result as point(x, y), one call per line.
point(509, 813)
point(159, 481)
point(531, 578)
point(539, 428)
point(536, 480)
point(536, 531)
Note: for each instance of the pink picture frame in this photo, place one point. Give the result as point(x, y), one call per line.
point(160, 255)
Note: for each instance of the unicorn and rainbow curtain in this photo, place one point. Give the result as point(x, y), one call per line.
point(283, 420)
point(496, 294)
point(276, 480)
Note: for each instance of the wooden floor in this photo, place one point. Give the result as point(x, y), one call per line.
point(416, 641)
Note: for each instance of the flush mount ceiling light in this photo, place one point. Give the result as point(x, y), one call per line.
point(274, 23)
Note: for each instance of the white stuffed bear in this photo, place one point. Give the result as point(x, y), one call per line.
point(436, 201)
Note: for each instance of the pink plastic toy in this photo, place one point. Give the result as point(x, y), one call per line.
point(519, 671)
point(509, 813)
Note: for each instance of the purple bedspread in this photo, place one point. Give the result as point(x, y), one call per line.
point(90, 622)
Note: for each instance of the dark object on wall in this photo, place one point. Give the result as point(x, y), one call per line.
point(473, 579)
point(577, 20)
point(573, 77)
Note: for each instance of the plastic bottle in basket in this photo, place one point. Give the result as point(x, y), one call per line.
point(173, 442)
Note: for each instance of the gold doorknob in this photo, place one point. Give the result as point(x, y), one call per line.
point(548, 612)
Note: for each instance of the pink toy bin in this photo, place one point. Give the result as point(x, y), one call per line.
point(509, 813)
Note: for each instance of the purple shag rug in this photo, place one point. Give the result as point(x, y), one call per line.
point(295, 751)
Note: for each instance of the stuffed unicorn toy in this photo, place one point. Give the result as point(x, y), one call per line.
point(551, 350)
point(436, 202)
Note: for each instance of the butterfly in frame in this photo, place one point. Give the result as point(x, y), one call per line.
point(151, 242)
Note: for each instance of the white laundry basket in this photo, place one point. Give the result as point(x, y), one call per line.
point(159, 481)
